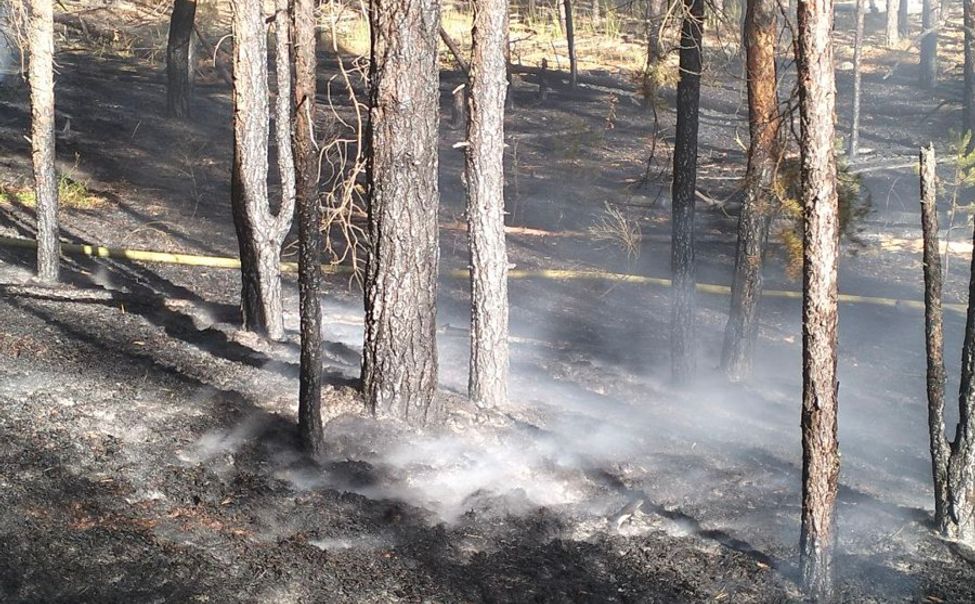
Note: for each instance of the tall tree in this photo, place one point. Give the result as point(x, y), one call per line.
point(41, 77)
point(399, 361)
point(968, 94)
point(570, 38)
point(309, 226)
point(654, 20)
point(820, 454)
point(260, 232)
point(903, 19)
point(891, 31)
point(759, 206)
point(930, 24)
point(683, 193)
point(952, 462)
point(488, 83)
point(179, 72)
point(853, 146)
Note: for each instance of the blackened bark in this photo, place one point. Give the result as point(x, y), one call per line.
point(759, 206)
point(488, 382)
point(930, 19)
point(259, 233)
point(41, 77)
point(570, 38)
point(685, 181)
point(968, 94)
point(891, 28)
point(934, 332)
point(309, 228)
point(179, 72)
point(854, 143)
point(399, 364)
point(820, 455)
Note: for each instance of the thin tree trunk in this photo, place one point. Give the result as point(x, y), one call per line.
point(891, 29)
point(931, 17)
point(654, 20)
point(309, 228)
point(756, 213)
point(399, 365)
point(179, 72)
point(854, 143)
point(488, 382)
point(41, 77)
point(259, 233)
point(682, 343)
point(820, 455)
point(968, 93)
point(283, 113)
point(455, 50)
point(903, 19)
point(934, 332)
point(570, 38)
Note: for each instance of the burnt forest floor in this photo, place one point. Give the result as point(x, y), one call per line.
point(148, 449)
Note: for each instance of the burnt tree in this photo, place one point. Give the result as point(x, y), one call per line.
point(41, 78)
point(853, 146)
point(309, 226)
point(820, 454)
point(683, 193)
point(760, 199)
point(903, 19)
point(179, 71)
point(930, 24)
point(399, 360)
point(968, 93)
point(891, 30)
point(488, 83)
point(570, 38)
point(656, 9)
point(952, 462)
point(260, 232)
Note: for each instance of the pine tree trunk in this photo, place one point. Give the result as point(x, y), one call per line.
point(968, 94)
point(931, 16)
point(488, 382)
point(820, 456)
point(283, 111)
point(570, 38)
point(682, 343)
point(854, 143)
point(654, 19)
point(41, 77)
point(891, 29)
point(399, 365)
point(903, 19)
point(756, 213)
point(179, 73)
point(309, 228)
point(258, 234)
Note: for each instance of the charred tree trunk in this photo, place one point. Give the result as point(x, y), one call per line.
point(179, 72)
point(891, 30)
point(488, 382)
point(820, 455)
point(570, 38)
point(952, 463)
point(930, 19)
point(41, 76)
point(854, 143)
point(682, 193)
point(259, 232)
point(399, 364)
point(968, 93)
point(756, 213)
point(309, 227)
point(903, 19)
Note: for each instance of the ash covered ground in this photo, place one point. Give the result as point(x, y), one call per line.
point(149, 453)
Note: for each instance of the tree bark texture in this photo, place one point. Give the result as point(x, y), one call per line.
point(283, 110)
point(259, 232)
point(41, 78)
point(903, 19)
point(570, 38)
point(820, 455)
point(759, 206)
point(488, 381)
point(656, 9)
point(968, 94)
point(179, 72)
point(854, 142)
point(309, 228)
point(682, 343)
point(399, 365)
point(891, 30)
point(930, 19)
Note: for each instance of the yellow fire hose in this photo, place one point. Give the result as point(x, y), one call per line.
point(97, 251)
